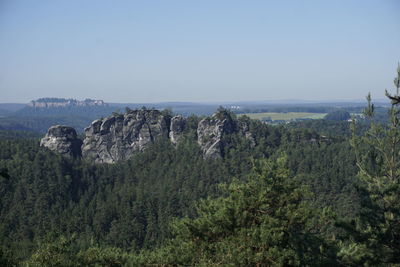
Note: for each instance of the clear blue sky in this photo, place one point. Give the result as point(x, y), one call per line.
point(150, 51)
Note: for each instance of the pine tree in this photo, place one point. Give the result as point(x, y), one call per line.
point(374, 238)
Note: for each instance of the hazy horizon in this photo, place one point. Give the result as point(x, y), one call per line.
point(271, 101)
point(201, 52)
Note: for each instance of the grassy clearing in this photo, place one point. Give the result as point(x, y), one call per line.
point(286, 116)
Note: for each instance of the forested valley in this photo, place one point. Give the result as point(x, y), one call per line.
point(316, 193)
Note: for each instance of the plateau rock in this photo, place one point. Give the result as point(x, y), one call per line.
point(49, 102)
point(63, 140)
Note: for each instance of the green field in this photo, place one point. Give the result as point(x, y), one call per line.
point(286, 116)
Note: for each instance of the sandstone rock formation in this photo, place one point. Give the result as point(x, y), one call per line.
point(176, 128)
point(210, 132)
point(119, 136)
point(63, 140)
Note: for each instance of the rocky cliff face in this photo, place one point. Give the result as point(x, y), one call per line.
point(211, 130)
point(177, 127)
point(118, 137)
point(63, 140)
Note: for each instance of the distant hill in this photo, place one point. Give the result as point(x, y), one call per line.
point(183, 108)
point(40, 124)
point(11, 107)
point(4, 112)
point(81, 111)
point(40, 114)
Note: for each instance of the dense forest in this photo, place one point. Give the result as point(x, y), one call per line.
point(320, 193)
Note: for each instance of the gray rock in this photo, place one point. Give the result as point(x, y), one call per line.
point(63, 140)
point(118, 137)
point(176, 128)
point(210, 132)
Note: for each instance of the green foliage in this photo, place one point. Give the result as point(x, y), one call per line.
point(9, 134)
point(60, 253)
point(7, 258)
point(338, 115)
point(63, 253)
point(129, 206)
point(375, 234)
point(223, 113)
point(265, 221)
point(167, 112)
point(99, 256)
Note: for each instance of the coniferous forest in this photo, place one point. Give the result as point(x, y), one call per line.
point(323, 193)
